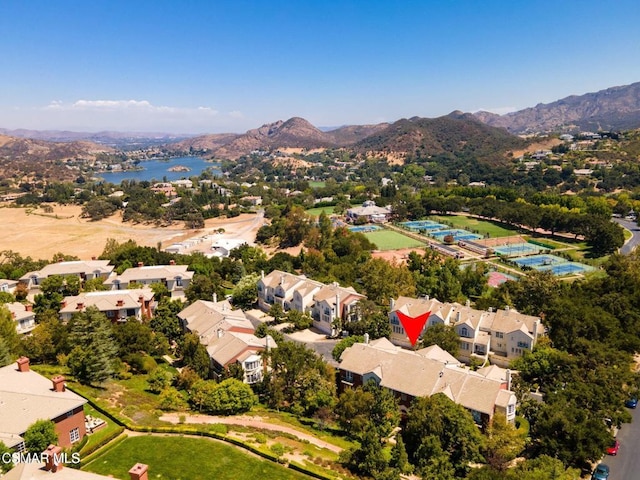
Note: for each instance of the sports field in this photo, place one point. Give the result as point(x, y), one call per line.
point(388, 240)
point(483, 227)
point(315, 212)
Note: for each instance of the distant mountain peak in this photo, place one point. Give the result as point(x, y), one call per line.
point(615, 108)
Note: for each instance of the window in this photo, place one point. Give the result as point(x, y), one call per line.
point(74, 435)
point(499, 335)
point(178, 281)
point(397, 329)
point(511, 409)
point(523, 345)
point(251, 365)
point(348, 376)
point(464, 332)
point(394, 320)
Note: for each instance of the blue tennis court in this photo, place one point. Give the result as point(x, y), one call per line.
point(423, 225)
point(539, 260)
point(516, 249)
point(365, 228)
point(567, 268)
point(456, 233)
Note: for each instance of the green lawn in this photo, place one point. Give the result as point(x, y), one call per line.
point(315, 212)
point(185, 458)
point(481, 226)
point(315, 184)
point(389, 240)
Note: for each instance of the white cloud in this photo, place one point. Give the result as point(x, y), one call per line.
point(142, 115)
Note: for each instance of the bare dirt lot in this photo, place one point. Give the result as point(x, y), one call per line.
point(32, 232)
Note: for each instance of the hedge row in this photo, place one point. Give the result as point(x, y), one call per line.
point(542, 244)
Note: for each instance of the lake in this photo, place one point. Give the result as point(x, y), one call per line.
point(159, 170)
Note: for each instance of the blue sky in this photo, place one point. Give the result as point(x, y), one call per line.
point(226, 66)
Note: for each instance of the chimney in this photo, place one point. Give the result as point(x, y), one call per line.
point(490, 310)
point(508, 374)
point(458, 316)
point(120, 303)
point(506, 308)
point(140, 264)
point(63, 304)
point(139, 472)
point(79, 306)
point(467, 303)
point(58, 383)
point(215, 297)
point(392, 304)
point(536, 326)
point(23, 364)
point(28, 307)
point(281, 279)
point(262, 274)
point(267, 343)
point(338, 312)
point(52, 455)
point(93, 258)
point(220, 333)
point(366, 338)
point(172, 262)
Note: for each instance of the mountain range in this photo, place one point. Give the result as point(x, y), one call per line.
point(485, 135)
point(616, 108)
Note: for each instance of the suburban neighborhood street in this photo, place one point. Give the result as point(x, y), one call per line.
point(626, 465)
point(633, 242)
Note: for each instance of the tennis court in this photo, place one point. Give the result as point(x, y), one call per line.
point(365, 228)
point(516, 249)
point(423, 225)
point(456, 233)
point(567, 268)
point(539, 260)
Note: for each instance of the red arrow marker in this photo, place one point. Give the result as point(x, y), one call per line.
point(413, 325)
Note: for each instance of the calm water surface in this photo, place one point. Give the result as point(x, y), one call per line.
point(159, 170)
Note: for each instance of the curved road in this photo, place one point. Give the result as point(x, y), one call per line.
point(634, 241)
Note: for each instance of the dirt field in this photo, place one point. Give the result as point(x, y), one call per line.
point(41, 235)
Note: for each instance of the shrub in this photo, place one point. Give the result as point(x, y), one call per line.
point(159, 380)
point(141, 363)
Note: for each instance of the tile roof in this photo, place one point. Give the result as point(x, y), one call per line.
point(231, 345)
point(28, 396)
point(207, 318)
point(107, 300)
point(414, 374)
point(71, 268)
point(153, 272)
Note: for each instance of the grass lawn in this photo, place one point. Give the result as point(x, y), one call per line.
point(315, 212)
point(483, 227)
point(389, 240)
point(316, 184)
point(99, 435)
point(185, 458)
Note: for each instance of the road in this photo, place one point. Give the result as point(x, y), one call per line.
point(634, 241)
point(626, 465)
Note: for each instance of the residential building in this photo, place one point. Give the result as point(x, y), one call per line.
point(324, 303)
point(8, 286)
point(280, 287)
point(175, 277)
point(228, 336)
point(117, 305)
point(253, 200)
point(23, 315)
point(333, 305)
point(369, 212)
point(496, 336)
point(422, 373)
point(222, 247)
point(85, 270)
point(27, 396)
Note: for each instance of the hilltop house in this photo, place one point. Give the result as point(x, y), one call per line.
point(26, 396)
point(325, 303)
point(422, 373)
point(8, 286)
point(175, 277)
point(498, 336)
point(85, 270)
point(23, 315)
point(117, 305)
point(228, 336)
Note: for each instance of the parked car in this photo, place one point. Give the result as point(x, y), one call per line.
point(601, 472)
point(613, 448)
point(631, 403)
